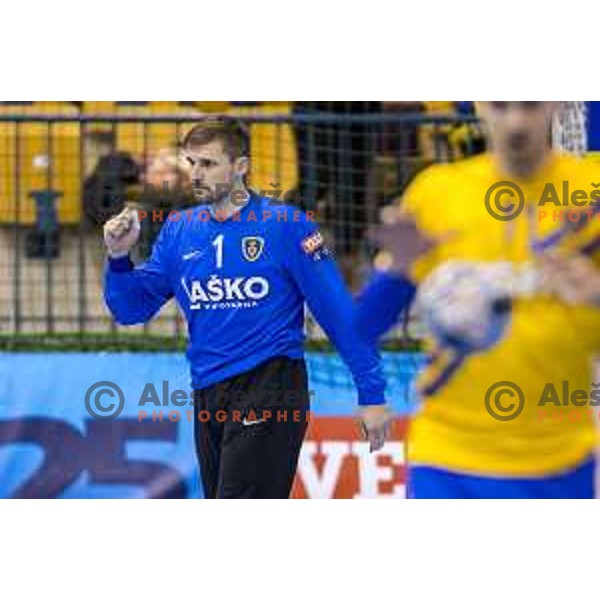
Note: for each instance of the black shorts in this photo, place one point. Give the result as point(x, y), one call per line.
point(249, 430)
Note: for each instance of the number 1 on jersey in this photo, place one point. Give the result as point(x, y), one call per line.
point(218, 244)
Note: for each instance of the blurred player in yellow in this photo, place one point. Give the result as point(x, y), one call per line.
point(501, 422)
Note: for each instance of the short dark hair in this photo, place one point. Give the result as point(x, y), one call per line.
point(231, 133)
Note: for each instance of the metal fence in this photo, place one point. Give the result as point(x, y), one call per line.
point(61, 176)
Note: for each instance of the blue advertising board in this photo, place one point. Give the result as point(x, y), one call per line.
point(118, 425)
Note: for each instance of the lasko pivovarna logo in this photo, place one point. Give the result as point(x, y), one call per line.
point(226, 292)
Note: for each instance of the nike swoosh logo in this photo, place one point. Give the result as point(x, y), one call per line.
point(194, 254)
point(247, 423)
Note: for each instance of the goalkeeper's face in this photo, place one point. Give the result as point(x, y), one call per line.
point(519, 131)
point(214, 173)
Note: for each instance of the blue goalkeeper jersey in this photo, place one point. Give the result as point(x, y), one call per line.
point(242, 284)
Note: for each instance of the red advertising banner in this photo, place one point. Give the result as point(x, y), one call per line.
point(335, 462)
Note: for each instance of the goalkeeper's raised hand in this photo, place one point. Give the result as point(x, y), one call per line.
point(121, 233)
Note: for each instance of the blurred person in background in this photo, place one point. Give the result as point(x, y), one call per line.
point(167, 186)
point(112, 175)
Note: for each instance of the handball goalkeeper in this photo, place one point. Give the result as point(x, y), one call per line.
point(465, 442)
point(241, 268)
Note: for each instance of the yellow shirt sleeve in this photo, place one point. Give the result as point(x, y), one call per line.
point(421, 200)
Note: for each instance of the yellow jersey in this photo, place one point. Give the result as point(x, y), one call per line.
point(546, 343)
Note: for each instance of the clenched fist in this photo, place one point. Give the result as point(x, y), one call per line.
point(122, 233)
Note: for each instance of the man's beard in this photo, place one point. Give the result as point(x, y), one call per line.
point(524, 154)
point(519, 144)
point(206, 195)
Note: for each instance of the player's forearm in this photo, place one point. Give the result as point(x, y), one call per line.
point(370, 386)
point(381, 303)
point(126, 294)
point(333, 307)
point(362, 358)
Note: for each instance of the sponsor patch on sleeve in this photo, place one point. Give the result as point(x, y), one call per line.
point(313, 242)
point(314, 246)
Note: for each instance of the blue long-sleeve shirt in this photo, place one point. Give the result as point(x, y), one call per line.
point(242, 284)
point(381, 303)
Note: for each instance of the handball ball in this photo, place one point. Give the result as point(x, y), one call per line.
point(465, 305)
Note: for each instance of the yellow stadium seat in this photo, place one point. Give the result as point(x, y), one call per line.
point(273, 149)
point(95, 107)
point(40, 156)
point(212, 107)
point(48, 156)
point(143, 140)
point(140, 139)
